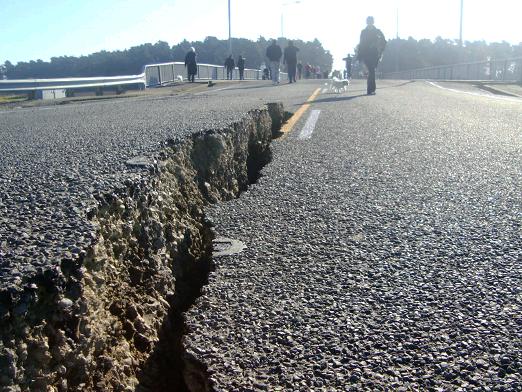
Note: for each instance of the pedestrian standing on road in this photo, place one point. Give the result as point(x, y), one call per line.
point(190, 64)
point(348, 70)
point(299, 70)
point(229, 65)
point(241, 67)
point(274, 53)
point(308, 70)
point(371, 46)
point(290, 59)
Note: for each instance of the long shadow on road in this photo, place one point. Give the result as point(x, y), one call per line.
point(338, 99)
point(249, 87)
point(349, 98)
point(332, 99)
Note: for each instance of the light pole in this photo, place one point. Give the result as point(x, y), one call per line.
point(461, 12)
point(229, 31)
point(397, 43)
point(397, 23)
point(282, 11)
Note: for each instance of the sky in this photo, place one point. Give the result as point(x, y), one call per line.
point(41, 29)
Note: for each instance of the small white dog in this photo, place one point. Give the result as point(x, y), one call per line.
point(179, 78)
point(337, 85)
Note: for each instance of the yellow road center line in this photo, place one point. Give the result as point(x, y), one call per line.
point(287, 127)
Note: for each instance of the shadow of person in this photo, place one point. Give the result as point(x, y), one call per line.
point(335, 99)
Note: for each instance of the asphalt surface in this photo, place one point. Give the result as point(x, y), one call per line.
point(383, 253)
point(55, 161)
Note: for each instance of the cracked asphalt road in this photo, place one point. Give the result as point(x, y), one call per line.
point(55, 160)
point(383, 253)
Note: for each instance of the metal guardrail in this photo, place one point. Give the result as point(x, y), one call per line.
point(21, 85)
point(493, 70)
point(164, 73)
point(153, 75)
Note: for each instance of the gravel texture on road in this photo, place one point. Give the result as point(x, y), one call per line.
point(384, 253)
point(103, 238)
point(56, 160)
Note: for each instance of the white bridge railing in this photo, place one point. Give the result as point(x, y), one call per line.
point(164, 73)
point(21, 85)
point(153, 75)
point(491, 69)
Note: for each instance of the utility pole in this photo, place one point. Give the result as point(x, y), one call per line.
point(229, 31)
point(398, 43)
point(397, 23)
point(461, 12)
point(283, 5)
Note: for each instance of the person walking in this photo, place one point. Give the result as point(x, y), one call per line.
point(371, 46)
point(274, 53)
point(241, 67)
point(290, 59)
point(299, 70)
point(348, 70)
point(190, 64)
point(308, 70)
point(229, 65)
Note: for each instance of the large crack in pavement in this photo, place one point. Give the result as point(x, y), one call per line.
point(118, 323)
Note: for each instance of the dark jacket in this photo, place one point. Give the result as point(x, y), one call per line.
point(371, 45)
point(274, 53)
point(291, 55)
point(229, 63)
point(241, 63)
point(190, 63)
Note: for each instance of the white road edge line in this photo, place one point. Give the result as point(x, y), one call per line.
point(308, 129)
point(510, 99)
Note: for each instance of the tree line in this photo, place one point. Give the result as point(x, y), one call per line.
point(131, 61)
point(400, 54)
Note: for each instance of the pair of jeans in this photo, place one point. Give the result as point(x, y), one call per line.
point(229, 73)
point(291, 72)
point(274, 69)
point(371, 64)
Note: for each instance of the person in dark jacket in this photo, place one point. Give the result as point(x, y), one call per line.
point(190, 64)
point(370, 50)
point(241, 67)
point(348, 70)
point(274, 53)
point(290, 59)
point(229, 65)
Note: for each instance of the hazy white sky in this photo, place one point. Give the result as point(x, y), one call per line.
point(41, 29)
